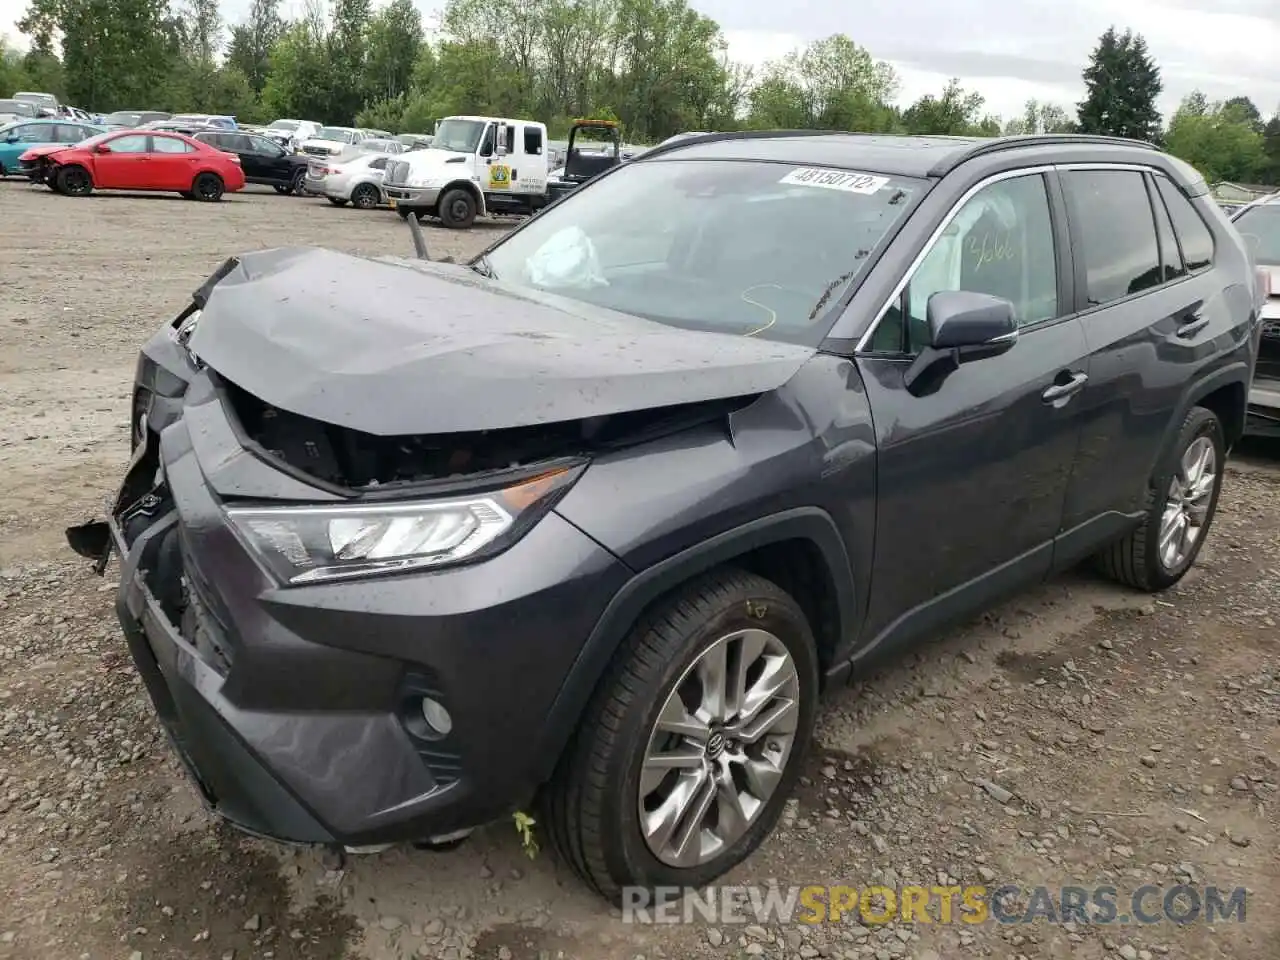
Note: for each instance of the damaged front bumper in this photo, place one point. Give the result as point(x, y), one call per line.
point(298, 710)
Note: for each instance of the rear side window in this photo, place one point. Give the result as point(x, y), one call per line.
point(1169, 253)
point(171, 145)
point(1197, 241)
point(1117, 233)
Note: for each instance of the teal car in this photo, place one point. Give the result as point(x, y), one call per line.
point(20, 136)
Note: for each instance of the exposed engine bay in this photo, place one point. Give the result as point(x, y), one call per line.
point(355, 460)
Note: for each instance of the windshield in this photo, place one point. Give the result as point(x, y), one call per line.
point(743, 247)
point(337, 134)
point(460, 136)
point(126, 117)
point(19, 107)
point(1262, 222)
point(289, 125)
point(96, 139)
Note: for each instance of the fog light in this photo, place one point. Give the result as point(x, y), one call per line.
point(437, 717)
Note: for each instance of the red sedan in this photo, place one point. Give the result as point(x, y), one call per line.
point(142, 160)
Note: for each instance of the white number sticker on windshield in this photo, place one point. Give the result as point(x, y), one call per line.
point(835, 180)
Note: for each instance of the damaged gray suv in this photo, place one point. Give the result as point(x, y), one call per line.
point(589, 522)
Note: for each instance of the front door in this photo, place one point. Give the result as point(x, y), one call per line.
point(127, 165)
point(971, 477)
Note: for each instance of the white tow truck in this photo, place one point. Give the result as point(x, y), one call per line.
point(476, 166)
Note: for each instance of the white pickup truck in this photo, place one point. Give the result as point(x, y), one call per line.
point(476, 166)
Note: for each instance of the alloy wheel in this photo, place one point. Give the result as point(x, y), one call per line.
point(718, 748)
point(1186, 509)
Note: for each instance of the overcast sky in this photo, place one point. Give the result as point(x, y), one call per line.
point(1008, 50)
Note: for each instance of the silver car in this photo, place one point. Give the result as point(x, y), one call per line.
point(355, 179)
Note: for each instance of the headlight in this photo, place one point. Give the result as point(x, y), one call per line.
point(309, 544)
point(422, 182)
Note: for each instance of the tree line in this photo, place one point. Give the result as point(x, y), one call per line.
point(657, 66)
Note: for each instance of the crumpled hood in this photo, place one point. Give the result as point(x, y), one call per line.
point(393, 348)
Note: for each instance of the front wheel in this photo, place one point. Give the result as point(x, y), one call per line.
point(74, 182)
point(458, 209)
point(208, 187)
point(1182, 501)
point(693, 741)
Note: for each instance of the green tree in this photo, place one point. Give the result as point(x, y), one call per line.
point(1243, 110)
point(832, 84)
point(1040, 117)
point(395, 41)
point(252, 42)
point(1122, 84)
point(1271, 147)
point(1217, 141)
point(298, 83)
point(347, 48)
point(955, 113)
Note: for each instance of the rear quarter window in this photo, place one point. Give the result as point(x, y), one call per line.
point(1193, 234)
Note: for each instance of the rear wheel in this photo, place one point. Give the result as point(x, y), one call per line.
point(1181, 503)
point(208, 187)
point(694, 739)
point(295, 185)
point(74, 182)
point(366, 196)
point(458, 209)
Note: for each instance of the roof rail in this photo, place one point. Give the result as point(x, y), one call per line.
point(742, 135)
point(997, 144)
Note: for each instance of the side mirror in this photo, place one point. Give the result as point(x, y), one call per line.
point(963, 327)
point(102, 148)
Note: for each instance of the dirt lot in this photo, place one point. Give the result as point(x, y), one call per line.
point(1080, 734)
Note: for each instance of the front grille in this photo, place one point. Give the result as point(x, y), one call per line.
point(316, 151)
point(397, 172)
point(204, 621)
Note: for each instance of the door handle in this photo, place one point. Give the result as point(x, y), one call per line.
point(1191, 325)
point(1064, 391)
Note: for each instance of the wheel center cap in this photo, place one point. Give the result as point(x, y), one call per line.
point(715, 744)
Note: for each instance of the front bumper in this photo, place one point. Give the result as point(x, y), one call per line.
point(410, 198)
point(297, 710)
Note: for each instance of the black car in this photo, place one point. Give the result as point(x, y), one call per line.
point(589, 522)
point(263, 160)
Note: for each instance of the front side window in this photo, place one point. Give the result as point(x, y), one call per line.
point(532, 140)
point(36, 133)
point(268, 148)
point(733, 246)
point(134, 143)
point(999, 243)
point(1117, 231)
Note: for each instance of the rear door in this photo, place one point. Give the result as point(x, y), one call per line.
point(971, 475)
point(1150, 317)
point(173, 163)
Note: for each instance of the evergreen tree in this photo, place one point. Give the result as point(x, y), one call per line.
point(1123, 83)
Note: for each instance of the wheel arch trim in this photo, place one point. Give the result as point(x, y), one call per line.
point(811, 524)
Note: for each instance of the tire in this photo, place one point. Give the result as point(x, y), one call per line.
point(208, 188)
point(337, 201)
point(1136, 560)
point(74, 181)
point(592, 806)
point(295, 185)
point(281, 188)
point(458, 209)
point(365, 197)
point(187, 195)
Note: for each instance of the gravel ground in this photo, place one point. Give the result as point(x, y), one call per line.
point(1078, 734)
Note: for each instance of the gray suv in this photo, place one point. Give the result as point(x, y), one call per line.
point(591, 521)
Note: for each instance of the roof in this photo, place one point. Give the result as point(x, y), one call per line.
point(875, 153)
